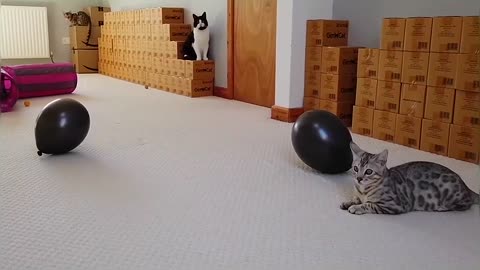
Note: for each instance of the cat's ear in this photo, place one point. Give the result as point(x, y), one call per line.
point(382, 157)
point(195, 17)
point(356, 150)
point(204, 15)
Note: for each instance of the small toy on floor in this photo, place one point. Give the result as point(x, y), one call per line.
point(413, 186)
point(26, 103)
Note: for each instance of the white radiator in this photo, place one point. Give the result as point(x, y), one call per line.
point(23, 32)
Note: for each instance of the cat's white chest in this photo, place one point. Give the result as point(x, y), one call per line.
point(202, 37)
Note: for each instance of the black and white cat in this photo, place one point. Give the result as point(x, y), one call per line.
point(197, 44)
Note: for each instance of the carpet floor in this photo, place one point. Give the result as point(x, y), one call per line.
point(168, 182)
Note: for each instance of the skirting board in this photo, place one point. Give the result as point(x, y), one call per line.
point(288, 115)
point(222, 92)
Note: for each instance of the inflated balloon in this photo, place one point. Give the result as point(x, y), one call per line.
point(62, 125)
point(322, 141)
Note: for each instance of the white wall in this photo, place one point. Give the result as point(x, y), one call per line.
point(58, 27)
point(366, 15)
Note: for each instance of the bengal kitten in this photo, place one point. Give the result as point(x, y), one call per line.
point(80, 18)
point(413, 186)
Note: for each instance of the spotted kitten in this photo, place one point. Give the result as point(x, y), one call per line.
point(414, 186)
point(80, 19)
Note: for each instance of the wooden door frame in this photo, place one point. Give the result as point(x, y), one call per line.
point(229, 93)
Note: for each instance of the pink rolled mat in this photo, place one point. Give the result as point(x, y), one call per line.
point(8, 93)
point(40, 80)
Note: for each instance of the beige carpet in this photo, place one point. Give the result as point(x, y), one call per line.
point(167, 182)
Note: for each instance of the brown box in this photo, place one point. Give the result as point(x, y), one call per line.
point(468, 72)
point(390, 66)
point(339, 60)
point(168, 16)
point(470, 35)
point(412, 100)
point(173, 49)
point(327, 33)
point(362, 122)
point(434, 138)
point(442, 69)
point(415, 67)
point(467, 109)
point(366, 94)
point(177, 67)
point(311, 103)
point(418, 34)
point(368, 60)
point(97, 14)
point(79, 35)
point(384, 125)
point(393, 34)
point(313, 59)
point(313, 84)
point(408, 131)
point(388, 96)
point(338, 88)
point(343, 110)
point(446, 34)
point(464, 143)
point(200, 70)
point(198, 88)
point(439, 104)
point(176, 32)
point(85, 61)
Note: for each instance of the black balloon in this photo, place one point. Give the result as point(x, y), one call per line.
point(322, 141)
point(62, 126)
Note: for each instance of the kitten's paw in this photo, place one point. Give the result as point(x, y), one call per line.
point(356, 210)
point(345, 205)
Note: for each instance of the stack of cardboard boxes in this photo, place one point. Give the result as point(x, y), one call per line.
point(144, 46)
point(421, 89)
point(330, 69)
point(85, 52)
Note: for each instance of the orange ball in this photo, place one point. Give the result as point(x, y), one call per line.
point(27, 103)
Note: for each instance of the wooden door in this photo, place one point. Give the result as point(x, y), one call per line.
point(254, 51)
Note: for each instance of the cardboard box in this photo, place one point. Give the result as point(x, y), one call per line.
point(408, 131)
point(343, 110)
point(338, 88)
point(313, 84)
point(464, 143)
point(173, 49)
point(79, 35)
point(198, 88)
point(85, 61)
point(339, 60)
point(384, 125)
point(412, 100)
point(446, 34)
point(442, 70)
point(467, 109)
point(470, 42)
point(418, 34)
point(388, 96)
point(178, 67)
point(147, 16)
point(468, 72)
point(368, 60)
point(390, 66)
point(362, 122)
point(366, 94)
point(311, 103)
point(327, 33)
point(176, 32)
point(439, 104)
point(415, 67)
point(200, 70)
point(434, 138)
point(393, 34)
point(97, 14)
point(168, 16)
point(313, 59)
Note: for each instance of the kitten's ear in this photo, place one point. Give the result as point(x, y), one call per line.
point(356, 150)
point(204, 15)
point(382, 157)
point(195, 16)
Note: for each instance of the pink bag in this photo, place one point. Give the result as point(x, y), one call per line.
point(8, 93)
point(40, 80)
